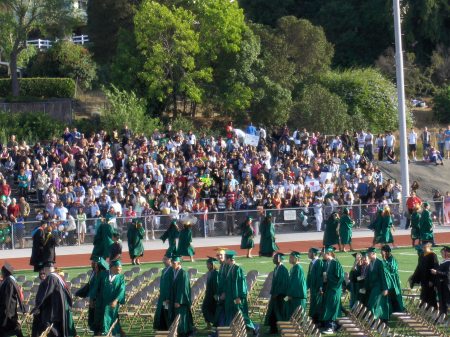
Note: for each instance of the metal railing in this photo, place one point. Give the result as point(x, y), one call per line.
point(205, 224)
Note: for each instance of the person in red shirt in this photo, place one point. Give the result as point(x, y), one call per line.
point(13, 210)
point(411, 203)
point(5, 189)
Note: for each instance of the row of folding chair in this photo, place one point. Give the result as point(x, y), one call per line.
point(361, 322)
point(237, 328)
point(259, 304)
point(173, 330)
point(299, 325)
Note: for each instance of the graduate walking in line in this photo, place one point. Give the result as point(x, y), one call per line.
point(171, 234)
point(443, 280)
point(38, 235)
point(103, 240)
point(135, 235)
point(267, 245)
point(280, 283)
point(331, 234)
point(314, 282)
point(415, 225)
point(358, 276)
point(395, 286)
point(11, 298)
point(297, 291)
point(377, 287)
point(247, 236)
point(185, 242)
point(426, 224)
point(375, 226)
point(333, 277)
point(180, 299)
point(220, 306)
point(161, 319)
point(210, 300)
point(387, 226)
point(345, 230)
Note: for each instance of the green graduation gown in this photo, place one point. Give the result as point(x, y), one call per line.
point(376, 283)
point(314, 282)
point(171, 234)
point(209, 301)
point(426, 226)
point(247, 237)
point(278, 291)
point(180, 292)
point(395, 289)
point(184, 243)
point(330, 236)
point(236, 287)
point(89, 291)
point(332, 290)
point(415, 226)
point(385, 232)
point(103, 241)
point(220, 306)
point(135, 236)
point(267, 245)
point(111, 288)
point(297, 290)
point(345, 229)
point(161, 320)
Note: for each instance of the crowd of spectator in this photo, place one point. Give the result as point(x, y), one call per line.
point(123, 174)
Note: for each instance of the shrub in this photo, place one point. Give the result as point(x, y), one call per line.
point(441, 106)
point(41, 87)
point(182, 123)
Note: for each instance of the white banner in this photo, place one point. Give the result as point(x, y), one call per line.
point(290, 215)
point(251, 140)
point(324, 176)
point(313, 184)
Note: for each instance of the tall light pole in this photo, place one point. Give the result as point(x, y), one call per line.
point(401, 104)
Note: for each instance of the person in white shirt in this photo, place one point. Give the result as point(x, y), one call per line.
point(390, 141)
point(412, 143)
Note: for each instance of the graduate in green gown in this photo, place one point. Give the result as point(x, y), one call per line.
point(212, 283)
point(395, 289)
point(314, 282)
point(235, 292)
point(333, 278)
point(345, 230)
point(220, 306)
point(297, 291)
point(103, 240)
point(375, 226)
point(267, 245)
point(331, 234)
point(247, 236)
point(386, 236)
point(135, 235)
point(109, 296)
point(161, 320)
point(377, 287)
point(89, 291)
point(185, 242)
point(171, 234)
point(278, 291)
point(415, 225)
point(426, 224)
point(180, 299)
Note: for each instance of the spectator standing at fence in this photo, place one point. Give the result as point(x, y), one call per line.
point(247, 236)
point(412, 143)
point(380, 144)
point(185, 247)
point(415, 225)
point(11, 300)
point(135, 237)
point(333, 277)
point(210, 300)
point(346, 229)
point(171, 234)
point(425, 137)
point(81, 222)
point(438, 201)
point(13, 210)
point(161, 318)
point(180, 299)
point(276, 310)
point(377, 287)
point(331, 234)
point(267, 245)
point(426, 224)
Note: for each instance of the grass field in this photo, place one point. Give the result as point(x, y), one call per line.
point(406, 257)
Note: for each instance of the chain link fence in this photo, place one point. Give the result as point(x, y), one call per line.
point(205, 224)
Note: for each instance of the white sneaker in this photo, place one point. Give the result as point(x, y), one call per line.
point(328, 332)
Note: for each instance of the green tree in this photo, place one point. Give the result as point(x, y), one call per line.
point(127, 108)
point(267, 12)
point(65, 59)
point(441, 106)
point(169, 43)
point(19, 18)
point(320, 110)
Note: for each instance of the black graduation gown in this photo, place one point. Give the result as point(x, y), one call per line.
point(48, 257)
point(51, 301)
point(36, 250)
point(10, 301)
point(428, 282)
point(443, 276)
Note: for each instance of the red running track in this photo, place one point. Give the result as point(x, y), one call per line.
point(82, 260)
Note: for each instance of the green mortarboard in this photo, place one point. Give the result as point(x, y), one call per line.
point(314, 250)
point(279, 256)
point(371, 250)
point(356, 254)
point(211, 260)
point(269, 213)
point(176, 258)
point(329, 249)
point(230, 254)
point(115, 263)
point(446, 248)
point(295, 254)
point(386, 248)
point(418, 248)
point(425, 204)
point(101, 262)
point(173, 222)
point(249, 218)
point(363, 253)
point(345, 210)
